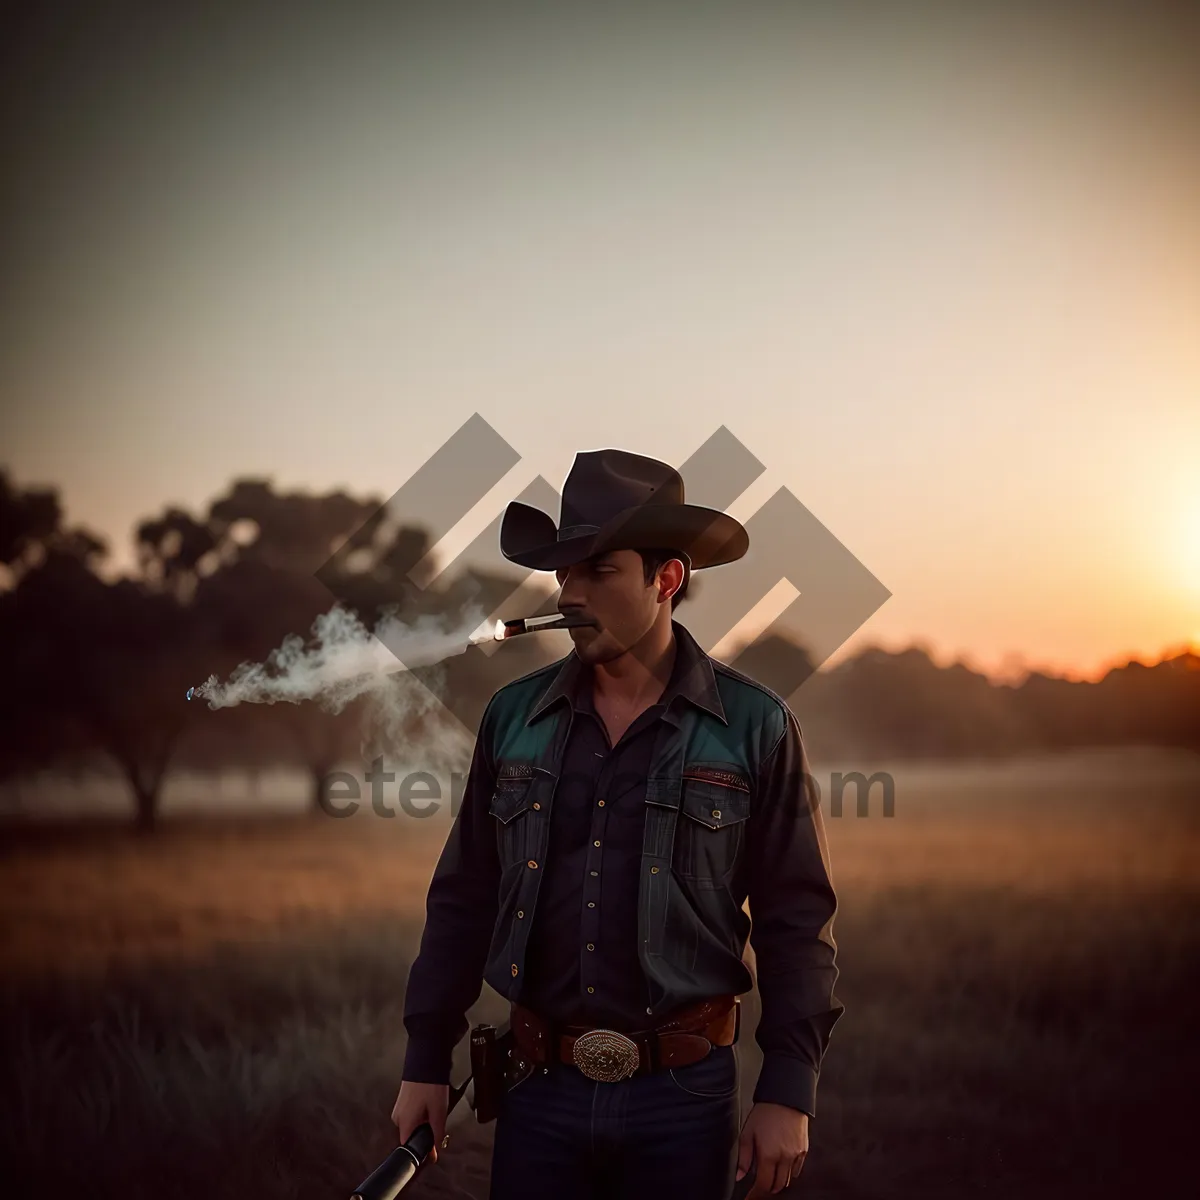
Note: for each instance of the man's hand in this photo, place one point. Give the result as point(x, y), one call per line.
point(418, 1103)
point(777, 1137)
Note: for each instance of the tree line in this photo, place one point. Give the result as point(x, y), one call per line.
point(96, 668)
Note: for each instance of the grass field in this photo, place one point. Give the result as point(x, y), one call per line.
point(215, 1012)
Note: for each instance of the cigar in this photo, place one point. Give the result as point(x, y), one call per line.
point(506, 629)
point(536, 624)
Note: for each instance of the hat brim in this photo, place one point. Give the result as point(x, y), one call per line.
point(710, 538)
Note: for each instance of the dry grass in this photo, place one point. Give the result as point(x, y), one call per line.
point(216, 1012)
point(95, 897)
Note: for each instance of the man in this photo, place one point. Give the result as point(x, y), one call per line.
point(621, 806)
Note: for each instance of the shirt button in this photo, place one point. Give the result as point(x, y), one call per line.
point(653, 870)
point(716, 812)
point(514, 969)
point(520, 912)
point(591, 989)
point(650, 1010)
point(591, 904)
point(590, 946)
point(594, 872)
point(600, 803)
point(596, 843)
point(536, 804)
point(531, 863)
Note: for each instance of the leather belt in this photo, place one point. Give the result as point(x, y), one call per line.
point(683, 1038)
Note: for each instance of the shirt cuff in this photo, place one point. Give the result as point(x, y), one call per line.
point(787, 1081)
point(427, 1060)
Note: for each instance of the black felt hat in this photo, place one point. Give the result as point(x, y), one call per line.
point(615, 500)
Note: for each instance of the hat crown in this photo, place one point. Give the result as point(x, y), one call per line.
point(614, 499)
point(604, 483)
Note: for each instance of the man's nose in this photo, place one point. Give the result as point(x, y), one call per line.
point(573, 594)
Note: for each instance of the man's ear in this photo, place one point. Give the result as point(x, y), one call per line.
point(671, 577)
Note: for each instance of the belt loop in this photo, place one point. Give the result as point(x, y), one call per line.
point(653, 1055)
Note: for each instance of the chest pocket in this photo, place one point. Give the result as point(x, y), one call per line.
point(512, 807)
point(710, 834)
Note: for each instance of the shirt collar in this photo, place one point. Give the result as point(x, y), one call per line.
point(692, 679)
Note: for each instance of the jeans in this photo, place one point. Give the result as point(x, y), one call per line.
point(673, 1132)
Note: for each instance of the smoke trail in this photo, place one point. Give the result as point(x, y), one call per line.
point(347, 661)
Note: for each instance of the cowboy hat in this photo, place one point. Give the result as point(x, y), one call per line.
point(615, 500)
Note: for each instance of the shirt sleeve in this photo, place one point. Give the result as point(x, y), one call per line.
point(446, 978)
point(792, 906)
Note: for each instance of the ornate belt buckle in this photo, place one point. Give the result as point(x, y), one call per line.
point(606, 1055)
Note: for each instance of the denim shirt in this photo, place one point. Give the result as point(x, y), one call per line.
point(731, 812)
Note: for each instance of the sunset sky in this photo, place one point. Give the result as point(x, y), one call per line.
point(937, 266)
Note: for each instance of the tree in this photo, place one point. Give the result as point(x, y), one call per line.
point(29, 518)
point(172, 550)
point(31, 530)
point(33, 733)
point(104, 667)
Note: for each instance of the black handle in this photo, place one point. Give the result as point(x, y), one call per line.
point(399, 1169)
point(421, 1142)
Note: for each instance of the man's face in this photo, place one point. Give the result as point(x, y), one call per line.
point(612, 589)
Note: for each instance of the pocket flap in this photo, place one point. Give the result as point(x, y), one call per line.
point(510, 798)
point(713, 804)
